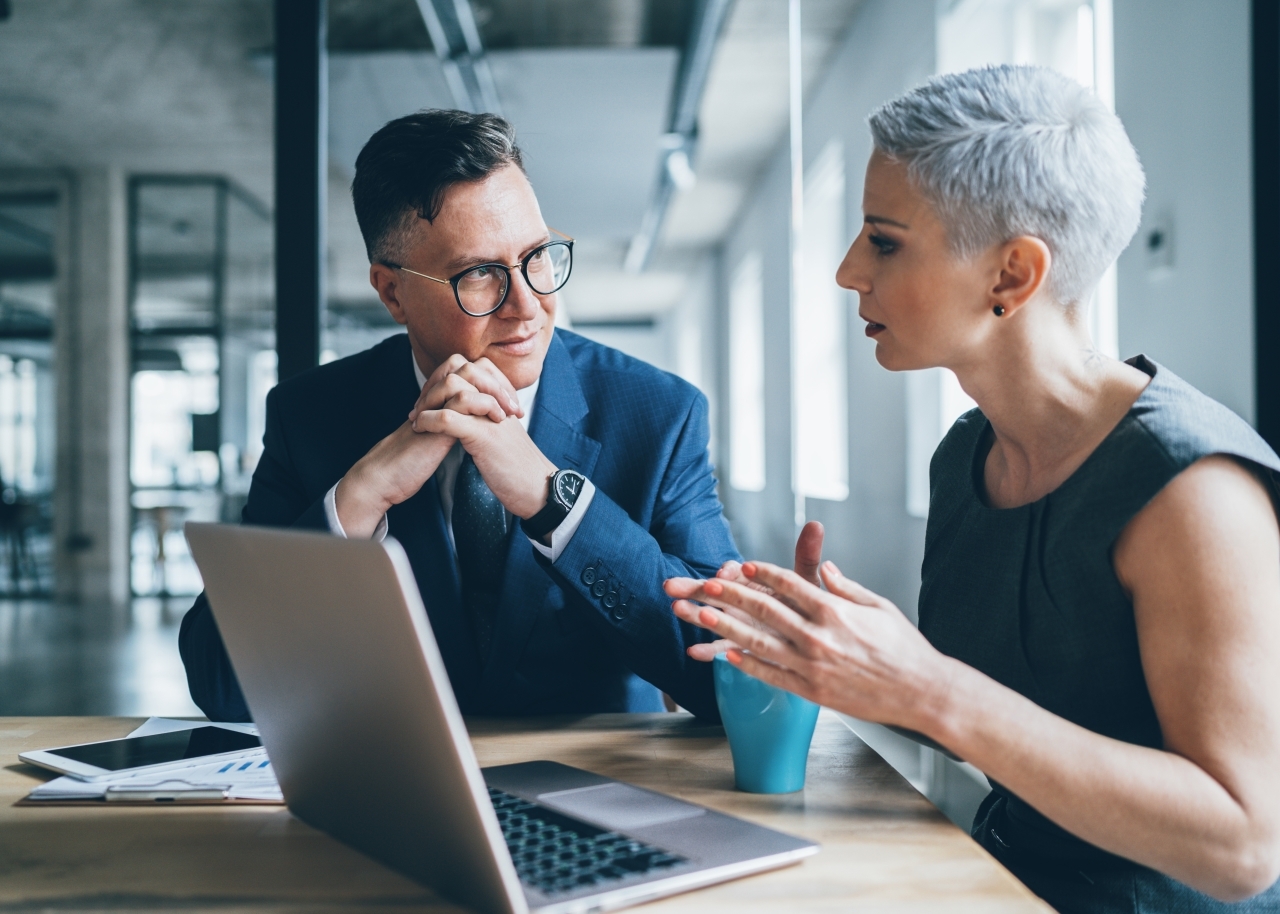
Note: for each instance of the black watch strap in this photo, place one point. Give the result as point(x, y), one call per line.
point(563, 489)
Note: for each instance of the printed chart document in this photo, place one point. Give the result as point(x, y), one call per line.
point(247, 777)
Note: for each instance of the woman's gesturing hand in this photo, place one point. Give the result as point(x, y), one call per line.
point(846, 648)
point(808, 558)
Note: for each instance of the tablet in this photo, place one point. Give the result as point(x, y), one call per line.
point(156, 752)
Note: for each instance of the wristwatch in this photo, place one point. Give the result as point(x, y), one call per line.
point(564, 489)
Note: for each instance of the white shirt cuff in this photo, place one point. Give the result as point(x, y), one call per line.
point(561, 535)
point(335, 525)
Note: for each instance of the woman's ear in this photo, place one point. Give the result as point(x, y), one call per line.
point(1024, 267)
point(385, 282)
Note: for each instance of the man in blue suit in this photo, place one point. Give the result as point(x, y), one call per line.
point(542, 485)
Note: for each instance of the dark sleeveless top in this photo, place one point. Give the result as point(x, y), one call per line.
point(1029, 596)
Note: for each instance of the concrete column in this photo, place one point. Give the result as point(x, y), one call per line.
point(91, 355)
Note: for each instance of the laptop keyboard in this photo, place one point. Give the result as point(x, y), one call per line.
point(555, 854)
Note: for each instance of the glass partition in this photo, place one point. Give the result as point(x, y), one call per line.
point(28, 273)
point(248, 350)
point(203, 341)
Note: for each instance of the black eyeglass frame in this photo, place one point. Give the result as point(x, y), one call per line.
point(507, 268)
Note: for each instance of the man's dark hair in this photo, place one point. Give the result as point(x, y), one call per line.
point(405, 168)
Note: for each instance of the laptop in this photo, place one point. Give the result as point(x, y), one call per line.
point(333, 650)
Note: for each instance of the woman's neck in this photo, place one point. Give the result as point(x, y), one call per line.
point(1051, 398)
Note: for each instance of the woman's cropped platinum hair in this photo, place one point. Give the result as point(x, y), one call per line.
point(1008, 151)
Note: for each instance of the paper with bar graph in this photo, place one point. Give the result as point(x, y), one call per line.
point(247, 777)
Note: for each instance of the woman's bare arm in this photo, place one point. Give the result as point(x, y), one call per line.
point(1202, 562)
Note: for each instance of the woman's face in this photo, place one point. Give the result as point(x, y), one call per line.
point(923, 305)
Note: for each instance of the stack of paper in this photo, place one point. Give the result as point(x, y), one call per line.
point(245, 777)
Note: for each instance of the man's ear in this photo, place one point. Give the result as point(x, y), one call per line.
point(1024, 267)
point(386, 282)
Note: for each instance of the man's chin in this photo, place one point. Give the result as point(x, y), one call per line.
point(521, 370)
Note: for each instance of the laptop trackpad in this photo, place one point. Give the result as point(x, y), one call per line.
point(619, 807)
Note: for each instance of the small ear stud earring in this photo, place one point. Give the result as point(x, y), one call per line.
point(998, 310)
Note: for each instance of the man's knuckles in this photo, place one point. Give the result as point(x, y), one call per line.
point(473, 403)
point(449, 388)
point(436, 395)
point(457, 423)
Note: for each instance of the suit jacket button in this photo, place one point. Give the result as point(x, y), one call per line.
point(619, 613)
point(589, 575)
point(599, 587)
point(610, 600)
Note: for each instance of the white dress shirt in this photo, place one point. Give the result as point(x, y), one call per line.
point(447, 473)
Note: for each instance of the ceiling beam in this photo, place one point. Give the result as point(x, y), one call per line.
point(675, 168)
point(452, 26)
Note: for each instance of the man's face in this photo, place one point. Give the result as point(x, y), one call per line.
point(496, 220)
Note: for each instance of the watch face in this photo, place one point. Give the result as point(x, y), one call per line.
point(568, 488)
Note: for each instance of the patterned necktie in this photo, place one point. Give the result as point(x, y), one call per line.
point(480, 536)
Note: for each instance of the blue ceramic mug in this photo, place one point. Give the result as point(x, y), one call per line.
point(769, 730)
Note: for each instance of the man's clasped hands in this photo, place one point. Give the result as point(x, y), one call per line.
point(470, 402)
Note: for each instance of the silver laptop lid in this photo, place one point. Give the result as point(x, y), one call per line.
point(331, 645)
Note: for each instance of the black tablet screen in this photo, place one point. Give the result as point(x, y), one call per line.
point(159, 748)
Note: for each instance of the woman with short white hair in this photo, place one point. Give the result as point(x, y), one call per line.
point(1100, 602)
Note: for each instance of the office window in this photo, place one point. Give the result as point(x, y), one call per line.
point(819, 372)
point(261, 378)
point(746, 376)
point(18, 423)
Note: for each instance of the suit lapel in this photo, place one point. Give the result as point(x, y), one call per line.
point(558, 413)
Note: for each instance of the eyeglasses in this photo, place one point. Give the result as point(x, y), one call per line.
point(482, 289)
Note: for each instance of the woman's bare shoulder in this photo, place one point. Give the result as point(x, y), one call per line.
point(1216, 507)
point(1216, 500)
point(1202, 565)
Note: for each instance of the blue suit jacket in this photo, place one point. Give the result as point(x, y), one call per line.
point(563, 643)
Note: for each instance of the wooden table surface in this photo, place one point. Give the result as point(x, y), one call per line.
point(885, 847)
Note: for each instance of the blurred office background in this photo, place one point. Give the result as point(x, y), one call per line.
point(697, 150)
